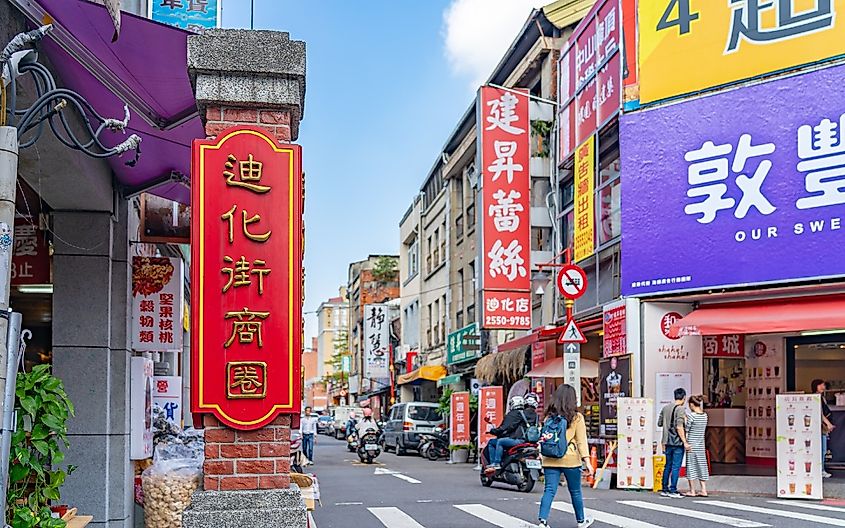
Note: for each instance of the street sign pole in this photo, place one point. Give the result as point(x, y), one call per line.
point(572, 367)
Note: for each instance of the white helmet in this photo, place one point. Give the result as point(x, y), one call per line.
point(517, 402)
point(531, 400)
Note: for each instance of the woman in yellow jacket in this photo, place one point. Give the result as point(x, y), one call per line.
point(564, 404)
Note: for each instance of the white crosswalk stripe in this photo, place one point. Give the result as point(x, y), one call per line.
point(607, 518)
point(394, 518)
point(778, 513)
point(808, 505)
point(695, 514)
point(494, 517)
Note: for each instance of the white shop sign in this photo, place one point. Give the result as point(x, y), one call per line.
point(167, 394)
point(140, 408)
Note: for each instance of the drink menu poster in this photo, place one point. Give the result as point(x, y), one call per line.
point(799, 433)
point(636, 443)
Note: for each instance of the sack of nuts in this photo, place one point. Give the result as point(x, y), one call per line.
point(168, 486)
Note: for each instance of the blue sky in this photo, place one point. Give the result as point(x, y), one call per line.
point(387, 82)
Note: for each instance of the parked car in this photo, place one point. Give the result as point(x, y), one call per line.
point(406, 422)
point(324, 424)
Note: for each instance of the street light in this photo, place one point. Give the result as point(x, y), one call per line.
point(539, 280)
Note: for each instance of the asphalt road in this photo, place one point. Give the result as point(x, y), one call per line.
point(409, 492)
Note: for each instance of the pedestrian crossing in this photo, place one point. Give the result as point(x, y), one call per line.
point(713, 513)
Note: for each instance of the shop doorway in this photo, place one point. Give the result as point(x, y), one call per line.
point(815, 357)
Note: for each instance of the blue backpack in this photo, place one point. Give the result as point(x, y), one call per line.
point(554, 443)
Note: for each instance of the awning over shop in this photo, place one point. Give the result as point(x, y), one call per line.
point(759, 317)
point(146, 69)
point(425, 373)
point(449, 380)
point(506, 365)
point(553, 368)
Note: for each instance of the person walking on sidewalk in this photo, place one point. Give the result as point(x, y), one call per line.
point(819, 386)
point(308, 429)
point(575, 455)
point(696, 427)
point(674, 443)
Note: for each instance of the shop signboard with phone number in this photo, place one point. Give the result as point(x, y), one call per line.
point(730, 41)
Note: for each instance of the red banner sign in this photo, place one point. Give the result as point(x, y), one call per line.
point(491, 411)
point(615, 333)
point(504, 129)
point(504, 310)
point(590, 70)
point(31, 256)
point(246, 277)
point(459, 418)
point(723, 346)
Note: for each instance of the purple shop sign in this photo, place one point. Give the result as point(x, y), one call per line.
point(742, 187)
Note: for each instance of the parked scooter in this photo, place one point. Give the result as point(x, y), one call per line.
point(369, 448)
point(298, 460)
point(435, 445)
point(352, 442)
point(521, 467)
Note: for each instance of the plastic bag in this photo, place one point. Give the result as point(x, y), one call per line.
point(168, 485)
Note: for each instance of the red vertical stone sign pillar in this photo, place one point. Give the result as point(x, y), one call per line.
point(253, 78)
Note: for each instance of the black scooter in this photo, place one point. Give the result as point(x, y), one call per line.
point(521, 467)
point(368, 447)
point(435, 445)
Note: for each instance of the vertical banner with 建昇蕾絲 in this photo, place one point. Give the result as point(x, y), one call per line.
point(246, 283)
point(505, 151)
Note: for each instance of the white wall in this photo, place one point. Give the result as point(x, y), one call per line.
point(662, 354)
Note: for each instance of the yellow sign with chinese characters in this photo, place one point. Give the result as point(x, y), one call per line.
point(585, 175)
point(686, 46)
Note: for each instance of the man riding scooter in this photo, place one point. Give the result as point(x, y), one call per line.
point(511, 432)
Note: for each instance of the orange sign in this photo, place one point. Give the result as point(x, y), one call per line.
point(459, 418)
point(246, 277)
point(490, 412)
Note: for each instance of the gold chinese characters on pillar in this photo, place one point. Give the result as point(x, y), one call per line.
point(246, 279)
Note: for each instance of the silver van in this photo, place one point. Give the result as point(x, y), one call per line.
point(405, 423)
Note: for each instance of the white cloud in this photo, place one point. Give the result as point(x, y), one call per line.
point(479, 32)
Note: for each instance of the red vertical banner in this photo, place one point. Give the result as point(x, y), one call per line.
point(246, 277)
point(459, 419)
point(630, 67)
point(490, 412)
point(504, 132)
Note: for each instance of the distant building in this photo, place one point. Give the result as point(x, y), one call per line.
point(332, 333)
point(315, 389)
point(371, 281)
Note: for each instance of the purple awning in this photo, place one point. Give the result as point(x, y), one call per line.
point(146, 68)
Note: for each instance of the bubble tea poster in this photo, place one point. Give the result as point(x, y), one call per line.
point(799, 455)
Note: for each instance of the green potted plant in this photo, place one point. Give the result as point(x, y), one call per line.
point(35, 472)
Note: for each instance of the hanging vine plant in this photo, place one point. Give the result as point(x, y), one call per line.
point(35, 473)
point(540, 130)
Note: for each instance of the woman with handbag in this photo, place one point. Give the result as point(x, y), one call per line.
point(564, 450)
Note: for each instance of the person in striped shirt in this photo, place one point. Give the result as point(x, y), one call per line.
point(696, 427)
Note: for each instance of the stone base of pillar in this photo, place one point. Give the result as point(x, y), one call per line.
point(277, 508)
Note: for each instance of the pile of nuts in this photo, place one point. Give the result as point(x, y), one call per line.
point(166, 496)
